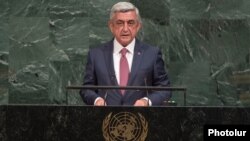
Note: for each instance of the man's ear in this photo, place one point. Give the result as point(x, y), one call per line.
point(110, 25)
point(139, 26)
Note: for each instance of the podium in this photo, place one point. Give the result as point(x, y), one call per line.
point(88, 123)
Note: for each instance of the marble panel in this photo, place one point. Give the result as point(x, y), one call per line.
point(28, 8)
point(4, 9)
point(4, 59)
point(158, 12)
point(30, 49)
point(71, 38)
point(43, 47)
point(67, 8)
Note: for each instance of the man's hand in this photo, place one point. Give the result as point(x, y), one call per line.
point(100, 102)
point(141, 102)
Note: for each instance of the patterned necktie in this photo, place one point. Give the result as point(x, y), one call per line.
point(124, 69)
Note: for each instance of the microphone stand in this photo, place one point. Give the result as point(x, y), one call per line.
point(145, 80)
point(105, 98)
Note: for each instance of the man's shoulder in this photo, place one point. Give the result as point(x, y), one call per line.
point(147, 46)
point(102, 46)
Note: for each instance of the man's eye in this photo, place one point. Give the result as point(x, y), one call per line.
point(131, 22)
point(119, 23)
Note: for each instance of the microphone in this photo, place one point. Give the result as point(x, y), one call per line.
point(105, 98)
point(145, 81)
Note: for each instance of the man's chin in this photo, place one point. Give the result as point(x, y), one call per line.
point(125, 42)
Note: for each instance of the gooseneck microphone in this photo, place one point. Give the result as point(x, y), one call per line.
point(105, 98)
point(145, 81)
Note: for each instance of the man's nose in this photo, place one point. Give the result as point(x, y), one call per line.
point(125, 27)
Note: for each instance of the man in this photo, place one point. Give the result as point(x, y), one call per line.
point(125, 61)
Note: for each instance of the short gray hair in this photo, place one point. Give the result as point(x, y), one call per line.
point(124, 7)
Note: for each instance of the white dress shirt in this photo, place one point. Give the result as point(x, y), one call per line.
point(117, 56)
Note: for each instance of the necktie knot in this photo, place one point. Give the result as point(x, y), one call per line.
point(123, 52)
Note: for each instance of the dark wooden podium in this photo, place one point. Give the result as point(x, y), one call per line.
point(87, 123)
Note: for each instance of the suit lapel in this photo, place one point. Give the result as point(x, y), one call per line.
point(137, 58)
point(108, 54)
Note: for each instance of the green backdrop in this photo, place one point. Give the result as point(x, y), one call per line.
point(44, 43)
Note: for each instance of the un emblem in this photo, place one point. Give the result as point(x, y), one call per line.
point(124, 126)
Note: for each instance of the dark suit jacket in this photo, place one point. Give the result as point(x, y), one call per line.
point(147, 65)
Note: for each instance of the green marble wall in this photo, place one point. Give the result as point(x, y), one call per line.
point(44, 43)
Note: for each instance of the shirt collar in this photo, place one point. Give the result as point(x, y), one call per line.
point(117, 47)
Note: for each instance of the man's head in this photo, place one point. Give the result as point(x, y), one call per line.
point(124, 22)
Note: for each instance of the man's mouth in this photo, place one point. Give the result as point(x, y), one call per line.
point(125, 35)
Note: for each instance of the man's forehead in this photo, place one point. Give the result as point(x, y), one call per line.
point(129, 15)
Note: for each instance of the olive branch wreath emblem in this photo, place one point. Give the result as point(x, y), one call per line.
point(106, 124)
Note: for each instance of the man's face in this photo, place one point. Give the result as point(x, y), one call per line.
point(124, 26)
